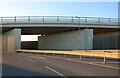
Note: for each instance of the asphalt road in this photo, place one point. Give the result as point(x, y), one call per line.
point(36, 65)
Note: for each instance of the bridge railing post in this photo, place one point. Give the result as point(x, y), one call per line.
point(86, 19)
point(109, 20)
point(28, 18)
point(43, 19)
point(57, 18)
point(98, 19)
point(1, 19)
point(15, 19)
point(72, 19)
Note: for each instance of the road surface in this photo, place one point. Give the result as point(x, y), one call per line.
point(20, 64)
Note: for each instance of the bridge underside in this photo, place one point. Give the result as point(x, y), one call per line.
point(59, 38)
point(50, 30)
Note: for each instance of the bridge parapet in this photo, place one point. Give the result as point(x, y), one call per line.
point(59, 19)
point(74, 20)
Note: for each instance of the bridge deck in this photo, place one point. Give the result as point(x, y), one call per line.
point(59, 21)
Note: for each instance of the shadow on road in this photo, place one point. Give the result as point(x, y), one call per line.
point(8, 70)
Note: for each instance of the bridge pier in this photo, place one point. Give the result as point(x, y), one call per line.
point(71, 40)
point(0, 39)
point(11, 40)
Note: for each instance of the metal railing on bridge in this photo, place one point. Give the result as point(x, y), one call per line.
point(60, 20)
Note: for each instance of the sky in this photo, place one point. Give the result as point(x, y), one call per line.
point(81, 9)
point(60, 0)
point(29, 37)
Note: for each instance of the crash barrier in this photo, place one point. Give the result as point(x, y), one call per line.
point(114, 54)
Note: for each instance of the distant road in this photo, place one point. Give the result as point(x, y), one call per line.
point(36, 65)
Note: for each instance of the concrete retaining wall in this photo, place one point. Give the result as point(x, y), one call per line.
point(0, 43)
point(31, 45)
point(72, 40)
point(107, 41)
point(11, 40)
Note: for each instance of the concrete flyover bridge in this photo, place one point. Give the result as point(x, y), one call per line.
point(58, 32)
point(59, 21)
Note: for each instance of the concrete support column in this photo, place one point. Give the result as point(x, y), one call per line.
point(86, 39)
point(0, 51)
point(72, 40)
point(11, 40)
point(0, 39)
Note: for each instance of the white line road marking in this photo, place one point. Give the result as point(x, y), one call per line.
point(88, 63)
point(32, 60)
point(41, 57)
point(32, 56)
point(38, 57)
point(102, 65)
point(54, 71)
point(72, 60)
point(95, 64)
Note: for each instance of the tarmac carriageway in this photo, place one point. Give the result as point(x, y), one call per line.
point(24, 64)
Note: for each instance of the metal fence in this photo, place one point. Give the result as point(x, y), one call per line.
point(59, 19)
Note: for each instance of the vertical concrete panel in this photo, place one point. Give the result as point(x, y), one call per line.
point(32, 45)
point(0, 39)
point(106, 41)
point(11, 43)
point(86, 39)
point(17, 38)
point(11, 40)
point(0, 50)
point(72, 40)
point(4, 42)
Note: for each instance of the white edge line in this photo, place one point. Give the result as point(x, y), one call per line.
point(38, 57)
point(41, 57)
point(103, 65)
point(83, 62)
point(54, 71)
point(95, 64)
point(32, 60)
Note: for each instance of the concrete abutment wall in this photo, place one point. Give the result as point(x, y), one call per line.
point(11, 40)
point(109, 40)
point(72, 40)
